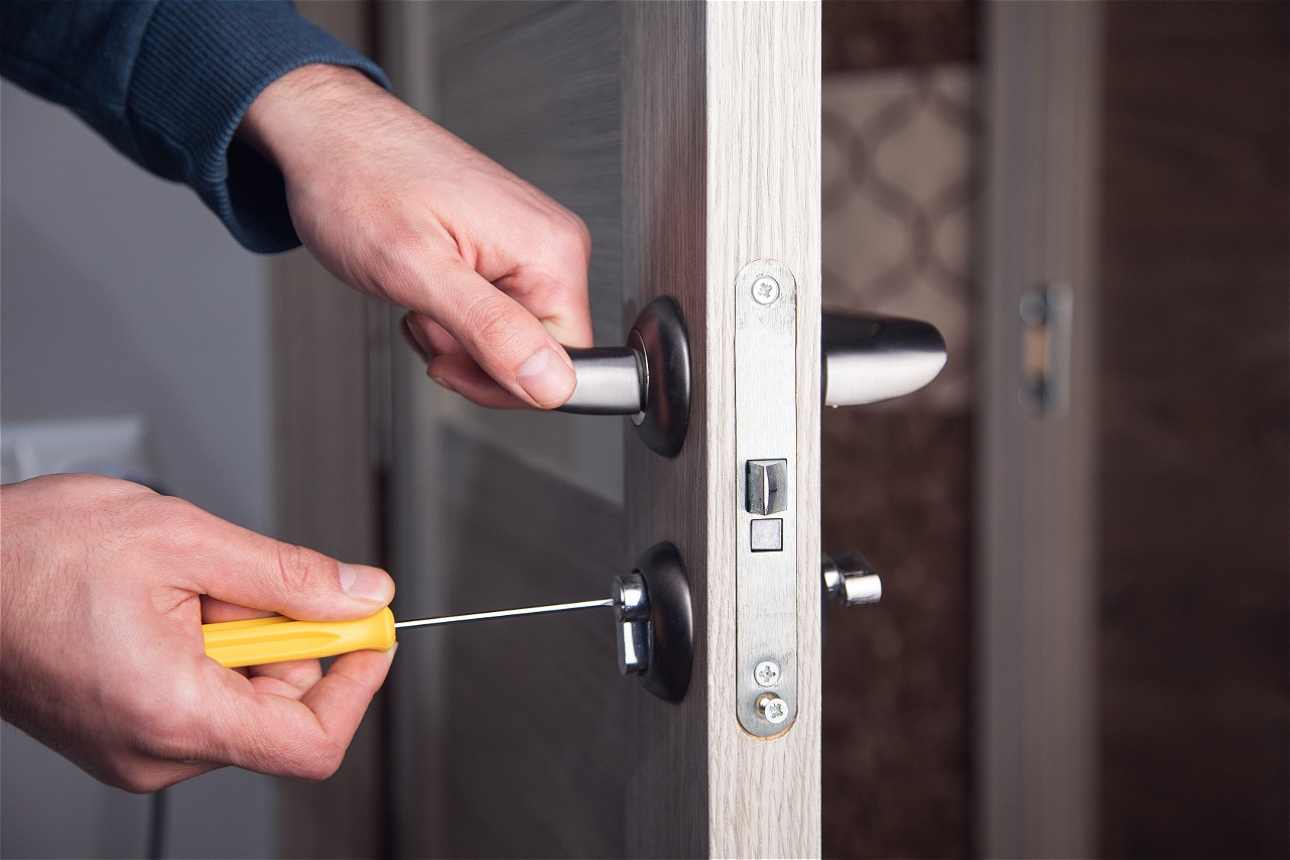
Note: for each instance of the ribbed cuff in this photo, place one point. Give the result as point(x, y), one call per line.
point(200, 65)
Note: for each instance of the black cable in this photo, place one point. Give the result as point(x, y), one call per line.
point(156, 800)
point(157, 825)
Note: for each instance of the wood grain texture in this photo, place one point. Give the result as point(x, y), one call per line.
point(327, 499)
point(326, 488)
point(536, 759)
point(511, 739)
point(701, 192)
point(664, 241)
point(763, 196)
point(721, 111)
point(536, 87)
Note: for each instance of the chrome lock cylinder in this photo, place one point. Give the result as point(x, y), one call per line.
point(631, 603)
point(654, 626)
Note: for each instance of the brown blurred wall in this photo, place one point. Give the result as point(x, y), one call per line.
point(1193, 434)
point(901, 142)
point(1194, 441)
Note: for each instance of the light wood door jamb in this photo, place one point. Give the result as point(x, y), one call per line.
point(722, 167)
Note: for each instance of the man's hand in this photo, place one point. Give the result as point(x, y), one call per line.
point(106, 585)
point(493, 271)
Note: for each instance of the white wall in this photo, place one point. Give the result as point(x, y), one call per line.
point(120, 293)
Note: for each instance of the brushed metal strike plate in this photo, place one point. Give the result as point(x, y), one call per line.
point(766, 511)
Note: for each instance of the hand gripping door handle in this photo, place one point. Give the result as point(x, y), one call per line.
point(867, 359)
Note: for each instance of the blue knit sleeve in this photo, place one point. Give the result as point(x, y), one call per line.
point(167, 82)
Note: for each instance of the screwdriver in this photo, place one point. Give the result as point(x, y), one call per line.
point(257, 641)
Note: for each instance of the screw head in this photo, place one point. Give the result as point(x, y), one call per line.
point(765, 290)
point(772, 708)
point(767, 673)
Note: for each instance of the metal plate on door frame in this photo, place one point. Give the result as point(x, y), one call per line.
point(766, 544)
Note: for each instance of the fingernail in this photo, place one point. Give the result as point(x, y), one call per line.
point(414, 340)
point(366, 583)
point(546, 378)
point(441, 381)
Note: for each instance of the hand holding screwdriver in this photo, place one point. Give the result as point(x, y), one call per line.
point(106, 586)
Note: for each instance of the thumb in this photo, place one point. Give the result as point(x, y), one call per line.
point(262, 573)
point(499, 333)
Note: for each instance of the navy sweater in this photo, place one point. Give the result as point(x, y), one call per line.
point(167, 83)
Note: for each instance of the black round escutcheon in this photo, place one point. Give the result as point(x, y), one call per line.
point(671, 622)
point(659, 333)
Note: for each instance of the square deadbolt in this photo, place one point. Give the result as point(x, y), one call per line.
point(767, 486)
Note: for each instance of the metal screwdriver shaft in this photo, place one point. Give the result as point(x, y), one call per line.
point(506, 613)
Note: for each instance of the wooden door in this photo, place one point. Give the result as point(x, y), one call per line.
point(687, 136)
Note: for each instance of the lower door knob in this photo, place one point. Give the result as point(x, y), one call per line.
point(850, 580)
point(655, 627)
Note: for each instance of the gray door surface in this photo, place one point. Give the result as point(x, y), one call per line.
point(687, 136)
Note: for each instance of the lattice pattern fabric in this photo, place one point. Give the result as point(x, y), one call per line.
point(899, 166)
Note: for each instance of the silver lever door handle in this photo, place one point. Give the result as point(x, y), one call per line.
point(872, 358)
point(612, 380)
point(648, 379)
point(866, 359)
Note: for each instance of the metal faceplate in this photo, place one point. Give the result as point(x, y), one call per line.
point(766, 437)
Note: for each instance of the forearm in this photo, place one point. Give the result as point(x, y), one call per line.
point(169, 83)
point(257, 110)
point(294, 121)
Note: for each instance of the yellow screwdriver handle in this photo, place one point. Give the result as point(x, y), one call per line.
point(257, 641)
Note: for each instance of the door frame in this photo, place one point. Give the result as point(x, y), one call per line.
point(1035, 744)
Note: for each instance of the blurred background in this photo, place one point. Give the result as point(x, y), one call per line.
point(1084, 645)
point(1084, 524)
point(134, 341)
